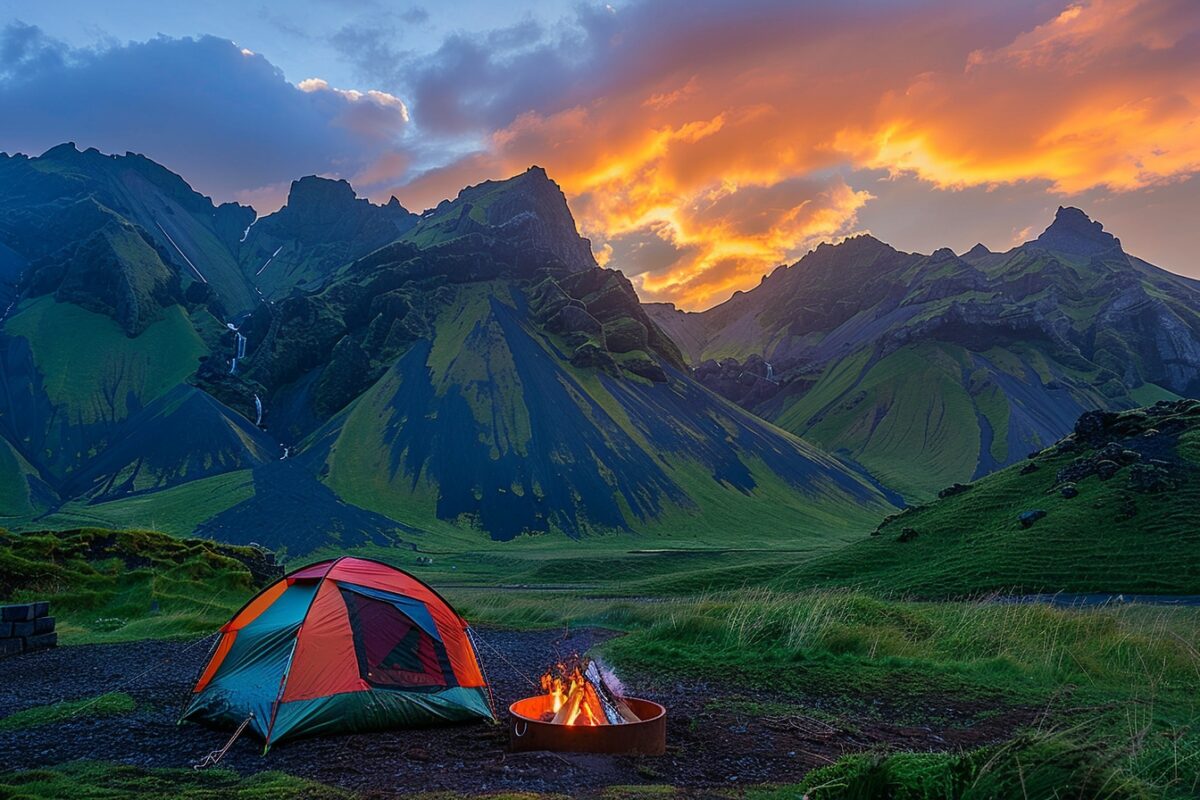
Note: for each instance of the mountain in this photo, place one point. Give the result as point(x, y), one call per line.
point(360, 374)
point(322, 226)
point(122, 221)
point(931, 370)
point(1110, 506)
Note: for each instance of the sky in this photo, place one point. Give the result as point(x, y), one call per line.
point(699, 143)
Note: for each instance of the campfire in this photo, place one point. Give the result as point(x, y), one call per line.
point(583, 708)
point(585, 695)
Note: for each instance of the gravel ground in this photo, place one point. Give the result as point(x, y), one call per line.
point(709, 741)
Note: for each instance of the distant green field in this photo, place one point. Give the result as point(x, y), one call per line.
point(177, 510)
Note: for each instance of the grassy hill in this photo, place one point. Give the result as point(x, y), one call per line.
point(121, 585)
point(1110, 508)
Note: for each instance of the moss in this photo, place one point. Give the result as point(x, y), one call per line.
point(111, 704)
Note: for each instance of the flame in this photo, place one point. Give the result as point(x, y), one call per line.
point(566, 686)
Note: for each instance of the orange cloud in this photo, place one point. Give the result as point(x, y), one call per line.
point(709, 151)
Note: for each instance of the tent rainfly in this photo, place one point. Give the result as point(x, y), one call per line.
point(346, 645)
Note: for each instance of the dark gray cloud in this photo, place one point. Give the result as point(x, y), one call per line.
point(224, 118)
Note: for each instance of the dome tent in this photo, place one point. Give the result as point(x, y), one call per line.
point(345, 645)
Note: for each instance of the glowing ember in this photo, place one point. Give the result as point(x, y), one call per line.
point(582, 694)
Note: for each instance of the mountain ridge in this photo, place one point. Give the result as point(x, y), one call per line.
point(469, 371)
point(1036, 335)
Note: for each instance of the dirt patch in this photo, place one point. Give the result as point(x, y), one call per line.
point(716, 735)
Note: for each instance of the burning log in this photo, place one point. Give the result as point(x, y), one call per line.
point(616, 710)
point(583, 709)
point(584, 697)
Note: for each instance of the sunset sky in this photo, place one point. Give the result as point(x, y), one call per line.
point(699, 143)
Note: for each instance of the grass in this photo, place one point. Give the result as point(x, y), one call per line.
point(1116, 683)
point(121, 586)
point(100, 781)
point(176, 510)
point(973, 543)
point(110, 704)
point(86, 356)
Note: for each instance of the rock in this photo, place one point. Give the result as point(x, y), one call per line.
point(1068, 491)
point(1092, 423)
point(907, 535)
point(1029, 468)
point(957, 488)
point(1105, 469)
point(591, 356)
point(1150, 479)
point(574, 318)
point(645, 368)
point(625, 334)
point(1027, 518)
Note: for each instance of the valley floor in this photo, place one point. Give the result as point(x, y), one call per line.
point(719, 736)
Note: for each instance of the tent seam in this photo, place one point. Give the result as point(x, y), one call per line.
point(287, 671)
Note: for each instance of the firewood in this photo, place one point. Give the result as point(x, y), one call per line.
point(616, 710)
point(570, 706)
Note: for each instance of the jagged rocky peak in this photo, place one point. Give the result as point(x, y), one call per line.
point(529, 210)
point(1073, 232)
point(313, 195)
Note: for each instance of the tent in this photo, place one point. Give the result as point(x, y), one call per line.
point(345, 645)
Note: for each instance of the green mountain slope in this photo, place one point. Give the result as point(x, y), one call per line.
point(1109, 508)
point(489, 422)
point(55, 203)
point(468, 373)
point(929, 370)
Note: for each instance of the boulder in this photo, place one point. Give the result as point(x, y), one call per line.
point(907, 535)
point(1068, 491)
point(591, 356)
point(1029, 468)
point(1027, 518)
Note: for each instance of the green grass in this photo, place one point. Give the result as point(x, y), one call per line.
point(105, 586)
point(14, 486)
point(86, 358)
point(177, 510)
point(110, 704)
point(908, 419)
point(972, 543)
point(99, 781)
point(1116, 683)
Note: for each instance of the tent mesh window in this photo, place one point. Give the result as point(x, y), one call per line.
point(394, 652)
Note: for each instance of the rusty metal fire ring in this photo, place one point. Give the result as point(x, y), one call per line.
point(527, 731)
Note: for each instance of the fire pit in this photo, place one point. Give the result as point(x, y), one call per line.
point(582, 712)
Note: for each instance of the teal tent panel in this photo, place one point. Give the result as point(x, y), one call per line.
point(248, 680)
point(378, 709)
point(249, 677)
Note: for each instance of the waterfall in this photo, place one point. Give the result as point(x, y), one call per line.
point(257, 410)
